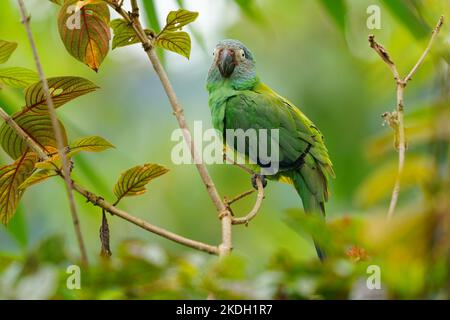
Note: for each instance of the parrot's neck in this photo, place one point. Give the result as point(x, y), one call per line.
point(232, 83)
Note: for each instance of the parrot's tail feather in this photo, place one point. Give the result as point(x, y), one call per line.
point(320, 252)
point(307, 180)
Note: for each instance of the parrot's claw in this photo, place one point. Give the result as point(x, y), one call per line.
point(263, 180)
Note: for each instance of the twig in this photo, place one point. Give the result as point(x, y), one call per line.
point(99, 201)
point(259, 198)
point(424, 54)
point(57, 132)
point(399, 114)
point(238, 197)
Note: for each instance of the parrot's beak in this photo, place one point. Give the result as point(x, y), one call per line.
point(226, 63)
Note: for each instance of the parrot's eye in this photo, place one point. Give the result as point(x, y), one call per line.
point(242, 53)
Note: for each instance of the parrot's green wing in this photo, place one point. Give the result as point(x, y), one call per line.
point(262, 108)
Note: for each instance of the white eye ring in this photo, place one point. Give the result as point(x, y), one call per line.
point(242, 53)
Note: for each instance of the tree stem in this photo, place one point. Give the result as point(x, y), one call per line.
point(57, 131)
point(399, 116)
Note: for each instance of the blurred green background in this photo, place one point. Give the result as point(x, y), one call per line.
point(316, 54)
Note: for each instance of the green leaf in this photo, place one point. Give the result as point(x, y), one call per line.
point(85, 31)
point(37, 125)
point(62, 90)
point(132, 182)
point(16, 77)
point(195, 33)
point(34, 117)
point(11, 177)
point(176, 41)
point(58, 2)
point(337, 11)
point(92, 144)
point(172, 39)
point(176, 20)
point(6, 49)
point(37, 177)
point(124, 34)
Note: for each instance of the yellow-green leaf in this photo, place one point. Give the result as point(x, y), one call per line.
point(81, 3)
point(37, 177)
point(124, 34)
point(16, 77)
point(176, 41)
point(85, 31)
point(6, 49)
point(62, 90)
point(11, 177)
point(92, 144)
point(37, 125)
point(132, 182)
point(178, 19)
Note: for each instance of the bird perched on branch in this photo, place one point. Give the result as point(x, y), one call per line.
point(239, 100)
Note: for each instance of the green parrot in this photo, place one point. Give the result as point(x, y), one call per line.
point(239, 100)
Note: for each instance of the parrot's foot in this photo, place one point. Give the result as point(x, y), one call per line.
point(263, 180)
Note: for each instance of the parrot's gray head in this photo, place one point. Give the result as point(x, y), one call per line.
point(233, 61)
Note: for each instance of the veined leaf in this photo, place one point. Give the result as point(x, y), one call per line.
point(132, 182)
point(16, 77)
point(37, 177)
point(34, 117)
point(37, 125)
point(81, 3)
point(85, 32)
point(52, 163)
point(170, 38)
point(92, 144)
point(11, 177)
point(62, 90)
point(6, 49)
point(178, 19)
point(124, 34)
point(176, 41)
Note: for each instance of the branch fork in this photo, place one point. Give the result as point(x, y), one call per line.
point(396, 119)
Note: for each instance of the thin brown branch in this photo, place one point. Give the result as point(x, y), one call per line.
point(259, 199)
point(57, 132)
point(427, 49)
point(384, 55)
point(399, 113)
point(99, 201)
point(238, 197)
